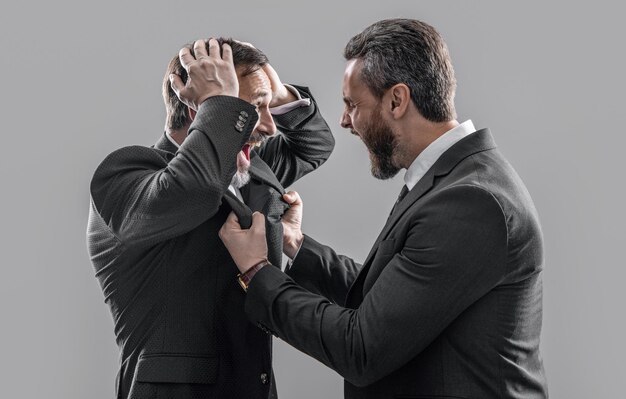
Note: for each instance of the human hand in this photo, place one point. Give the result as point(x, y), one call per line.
point(292, 224)
point(247, 247)
point(280, 94)
point(208, 74)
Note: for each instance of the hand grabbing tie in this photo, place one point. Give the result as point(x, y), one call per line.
point(247, 247)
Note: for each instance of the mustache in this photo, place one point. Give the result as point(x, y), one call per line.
point(257, 139)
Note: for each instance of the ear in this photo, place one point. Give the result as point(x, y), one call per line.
point(399, 100)
point(191, 113)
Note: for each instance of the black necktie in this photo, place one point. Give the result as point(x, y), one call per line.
point(274, 209)
point(403, 194)
point(264, 194)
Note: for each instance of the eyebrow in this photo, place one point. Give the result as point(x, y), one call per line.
point(261, 93)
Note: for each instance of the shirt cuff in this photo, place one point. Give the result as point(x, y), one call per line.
point(291, 260)
point(300, 102)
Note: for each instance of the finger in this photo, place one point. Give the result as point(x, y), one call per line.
point(292, 198)
point(199, 49)
point(222, 233)
point(177, 83)
point(214, 48)
point(258, 221)
point(231, 223)
point(227, 53)
point(272, 74)
point(185, 57)
point(232, 219)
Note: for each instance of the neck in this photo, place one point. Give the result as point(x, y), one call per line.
point(178, 135)
point(419, 135)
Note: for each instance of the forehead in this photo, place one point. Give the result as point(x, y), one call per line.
point(353, 85)
point(353, 67)
point(254, 85)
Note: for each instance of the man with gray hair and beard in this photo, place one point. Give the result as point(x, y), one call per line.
point(156, 211)
point(448, 302)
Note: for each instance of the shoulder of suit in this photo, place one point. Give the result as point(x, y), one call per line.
point(464, 200)
point(130, 158)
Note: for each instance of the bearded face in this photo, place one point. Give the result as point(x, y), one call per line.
point(381, 144)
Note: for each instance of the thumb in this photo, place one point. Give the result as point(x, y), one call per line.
point(292, 198)
point(177, 83)
point(258, 221)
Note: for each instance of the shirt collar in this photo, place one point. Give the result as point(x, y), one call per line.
point(427, 158)
point(167, 134)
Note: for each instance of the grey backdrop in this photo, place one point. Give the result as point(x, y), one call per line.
point(80, 79)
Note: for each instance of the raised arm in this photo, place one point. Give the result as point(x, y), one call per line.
point(145, 199)
point(306, 141)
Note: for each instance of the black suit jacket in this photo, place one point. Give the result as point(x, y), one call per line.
point(446, 305)
point(165, 274)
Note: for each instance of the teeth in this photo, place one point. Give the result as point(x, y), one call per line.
point(254, 144)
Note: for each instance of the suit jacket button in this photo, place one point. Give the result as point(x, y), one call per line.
point(264, 378)
point(239, 126)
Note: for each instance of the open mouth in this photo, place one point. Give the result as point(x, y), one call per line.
point(249, 146)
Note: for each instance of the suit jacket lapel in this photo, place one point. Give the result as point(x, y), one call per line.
point(421, 188)
point(477, 142)
point(260, 171)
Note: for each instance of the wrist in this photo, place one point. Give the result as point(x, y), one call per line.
point(245, 278)
point(292, 246)
point(284, 97)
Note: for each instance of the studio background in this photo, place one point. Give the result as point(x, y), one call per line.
point(81, 79)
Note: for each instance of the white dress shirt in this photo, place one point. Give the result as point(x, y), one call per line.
point(427, 158)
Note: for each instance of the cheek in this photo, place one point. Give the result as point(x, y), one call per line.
point(355, 118)
point(361, 121)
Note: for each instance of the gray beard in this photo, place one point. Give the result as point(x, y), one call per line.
point(240, 179)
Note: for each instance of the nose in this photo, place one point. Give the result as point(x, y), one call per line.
point(266, 125)
point(345, 121)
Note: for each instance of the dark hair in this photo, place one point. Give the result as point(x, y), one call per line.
point(246, 57)
point(411, 52)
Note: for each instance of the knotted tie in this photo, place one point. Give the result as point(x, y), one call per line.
point(403, 194)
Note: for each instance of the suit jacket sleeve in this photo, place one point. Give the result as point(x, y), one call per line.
point(319, 269)
point(306, 142)
point(454, 252)
point(144, 200)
